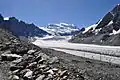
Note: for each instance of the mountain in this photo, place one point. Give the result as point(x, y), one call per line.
point(61, 29)
point(106, 31)
point(20, 28)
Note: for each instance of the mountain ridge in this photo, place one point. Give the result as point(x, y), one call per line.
point(21, 28)
point(60, 29)
point(105, 32)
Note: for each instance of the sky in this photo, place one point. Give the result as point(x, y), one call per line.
point(41, 12)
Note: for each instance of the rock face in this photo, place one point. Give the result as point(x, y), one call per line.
point(106, 31)
point(20, 28)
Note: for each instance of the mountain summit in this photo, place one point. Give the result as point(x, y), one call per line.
point(62, 29)
point(106, 31)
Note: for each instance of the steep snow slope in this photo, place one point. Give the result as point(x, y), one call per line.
point(91, 27)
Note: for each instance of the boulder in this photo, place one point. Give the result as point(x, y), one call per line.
point(14, 77)
point(17, 61)
point(42, 66)
point(13, 68)
point(28, 75)
point(53, 60)
point(32, 65)
point(9, 57)
point(41, 77)
point(31, 51)
point(63, 73)
point(50, 71)
point(55, 69)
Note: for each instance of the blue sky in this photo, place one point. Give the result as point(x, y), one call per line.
point(41, 12)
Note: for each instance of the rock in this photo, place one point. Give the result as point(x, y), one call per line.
point(50, 76)
point(12, 68)
point(32, 65)
point(1, 45)
point(41, 61)
point(24, 71)
point(4, 48)
point(38, 58)
point(31, 51)
point(63, 73)
point(7, 52)
point(29, 58)
point(53, 60)
point(16, 71)
point(42, 66)
point(37, 72)
point(46, 69)
point(64, 78)
point(8, 43)
point(41, 77)
point(9, 57)
point(14, 77)
point(23, 63)
point(50, 71)
point(28, 74)
point(55, 69)
point(21, 50)
point(17, 61)
point(43, 56)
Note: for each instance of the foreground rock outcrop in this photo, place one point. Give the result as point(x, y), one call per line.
point(36, 66)
point(26, 61)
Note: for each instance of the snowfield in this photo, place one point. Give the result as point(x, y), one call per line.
point(103, 53)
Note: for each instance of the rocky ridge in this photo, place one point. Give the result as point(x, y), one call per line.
point(105, 32)
point(21, 28)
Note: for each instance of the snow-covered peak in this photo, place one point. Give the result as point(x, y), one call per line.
point(68, 25)
point(59, 29)
point(51, 25)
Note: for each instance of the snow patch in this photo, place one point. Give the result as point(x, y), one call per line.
point(115, 32)
point(111, 22)
point(92, 26)
point(6, 18)
point(97, 31)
